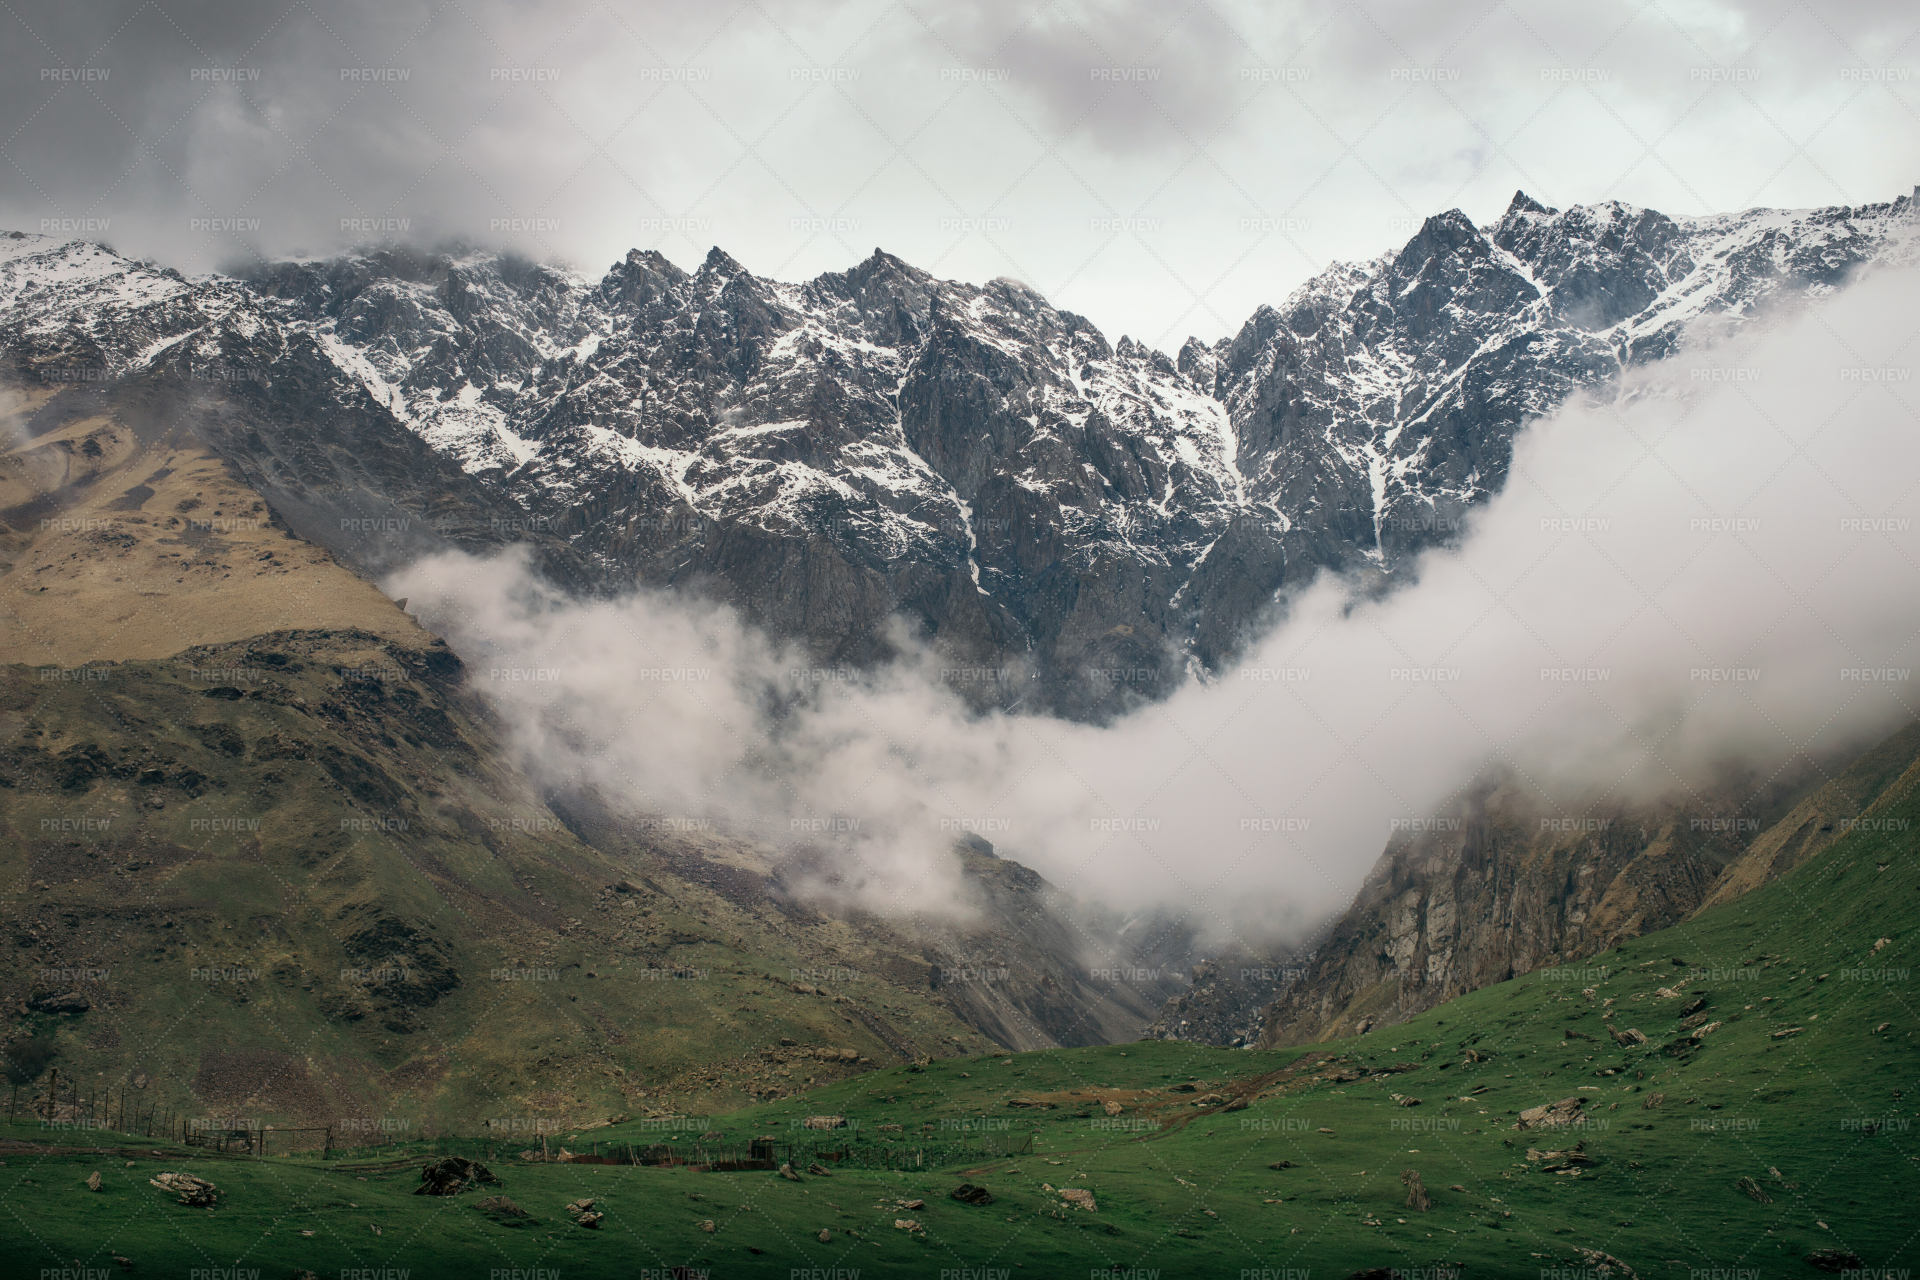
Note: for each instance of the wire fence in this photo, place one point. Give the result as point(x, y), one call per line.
point(62, 1105)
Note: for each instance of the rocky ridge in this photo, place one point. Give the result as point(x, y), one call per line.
point(1078, 521)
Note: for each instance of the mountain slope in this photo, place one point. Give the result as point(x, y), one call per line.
point(1499, 889)
point(298, 876)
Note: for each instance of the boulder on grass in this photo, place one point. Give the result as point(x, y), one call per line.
point(1606, 1265)
point(197, 1192)
point(503, 1210)
point(968, 1193)
point(1552, 1115)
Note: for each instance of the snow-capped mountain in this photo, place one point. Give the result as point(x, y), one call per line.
point(877, 442)
point(1381, 400)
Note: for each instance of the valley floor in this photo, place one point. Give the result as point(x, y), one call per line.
point(1762, 1127)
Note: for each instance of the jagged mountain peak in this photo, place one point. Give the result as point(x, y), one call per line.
point(1037, 500)
point(1523, 203)
point(1440, 233)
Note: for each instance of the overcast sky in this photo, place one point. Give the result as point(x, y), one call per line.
point(1160, 167)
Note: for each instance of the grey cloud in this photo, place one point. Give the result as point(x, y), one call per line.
point(798, 136)
point(1694, 529)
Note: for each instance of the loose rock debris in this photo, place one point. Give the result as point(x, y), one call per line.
point(450, 1175)
point(196, 1192)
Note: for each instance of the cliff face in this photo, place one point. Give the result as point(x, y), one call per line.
point(1497, 889)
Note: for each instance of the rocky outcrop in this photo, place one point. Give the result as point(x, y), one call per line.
point(1226, 998)
point(1497, 887)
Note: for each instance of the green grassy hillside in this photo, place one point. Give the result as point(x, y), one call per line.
point(1767, 1117)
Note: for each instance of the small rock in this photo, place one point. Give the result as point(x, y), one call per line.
point(909, 1226)
point(968, 1193)
point(819, 1171)
point(1754, 1189)
point(93, 1181)
point(708, 1227)
point(1833, 1260)
point(1552, 1114)
point(825, 1236)
point(493, 1206)
point(1606, 1265)
point(786, 1171)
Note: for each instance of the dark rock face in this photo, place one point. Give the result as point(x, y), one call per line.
point(1070, 521)
point(1499, 888)
point(60, 1002)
